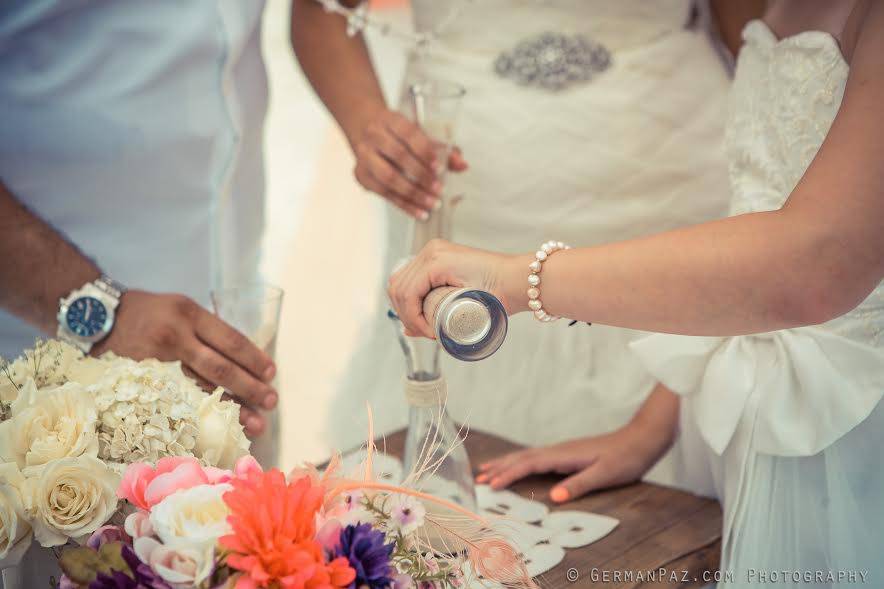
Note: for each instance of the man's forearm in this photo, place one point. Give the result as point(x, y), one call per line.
point(338, 66)
point(37, 265)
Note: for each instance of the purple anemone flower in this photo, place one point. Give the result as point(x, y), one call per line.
point(364, 547)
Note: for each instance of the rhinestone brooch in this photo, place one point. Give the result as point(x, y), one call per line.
point(553, 61)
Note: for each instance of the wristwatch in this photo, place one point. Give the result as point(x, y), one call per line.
point(86, 316)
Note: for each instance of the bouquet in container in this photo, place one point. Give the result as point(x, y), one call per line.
point(143, 481)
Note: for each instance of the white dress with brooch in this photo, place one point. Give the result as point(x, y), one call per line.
point(791, 421)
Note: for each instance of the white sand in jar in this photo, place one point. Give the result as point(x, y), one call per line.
point(467, 321)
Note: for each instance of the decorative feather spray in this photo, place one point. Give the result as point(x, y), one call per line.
point(458, 535)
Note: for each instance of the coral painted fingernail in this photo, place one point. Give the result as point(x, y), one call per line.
point(423, 215)
point(436, 187)
point(482, 478)
point(495, 482)
point(559, 494)
point(270, 401)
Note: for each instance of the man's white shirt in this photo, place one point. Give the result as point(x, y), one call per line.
point(135, 128)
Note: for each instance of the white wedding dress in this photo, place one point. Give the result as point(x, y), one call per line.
point(635, 151)
point(791, 422)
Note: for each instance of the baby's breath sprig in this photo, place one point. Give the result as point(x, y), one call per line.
point(42, 350)
point(4, 368)
point(6, 408)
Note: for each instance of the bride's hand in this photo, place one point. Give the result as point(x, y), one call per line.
point(397, 160)
point(441, 263)
point(597, 462)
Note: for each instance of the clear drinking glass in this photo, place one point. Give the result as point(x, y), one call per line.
point(435, 106)
point(254, 310)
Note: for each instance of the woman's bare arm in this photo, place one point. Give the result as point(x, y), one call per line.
point(814, 259)
point(338, 66)
point(394, 157)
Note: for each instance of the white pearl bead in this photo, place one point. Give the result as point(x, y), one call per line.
point(535, 266)
point(547, 247)
point(540, 314)
point(535, 305)
point(560, 245)
point(533, 293)
point(540, 255)
point(533, 279)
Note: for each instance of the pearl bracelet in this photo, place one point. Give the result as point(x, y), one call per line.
point(534, 303)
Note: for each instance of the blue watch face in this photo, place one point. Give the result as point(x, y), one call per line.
point(86, 316)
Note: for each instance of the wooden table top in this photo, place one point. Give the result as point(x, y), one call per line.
point(660, 528)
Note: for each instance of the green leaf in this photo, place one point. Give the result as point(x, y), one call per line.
point(82, 564)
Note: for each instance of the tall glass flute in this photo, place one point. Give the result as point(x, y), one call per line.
point(433, 441)
point(435, 107)
point(253, 310)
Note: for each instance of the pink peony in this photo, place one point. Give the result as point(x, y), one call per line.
point(145, 486)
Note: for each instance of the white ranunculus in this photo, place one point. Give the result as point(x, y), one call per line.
point(15, 532)
point(220, 439)
point(49, 424)
point(182, 567)
point(70, 498)
point(192, 517)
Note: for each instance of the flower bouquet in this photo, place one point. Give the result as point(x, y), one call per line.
point(138, 479)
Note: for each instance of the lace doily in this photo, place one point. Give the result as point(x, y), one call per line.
point(542, 535)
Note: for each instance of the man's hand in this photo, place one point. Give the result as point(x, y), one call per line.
point(173, 327)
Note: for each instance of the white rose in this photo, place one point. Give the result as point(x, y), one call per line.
point(49, 424)
point(15, 531)
point(220, 440)
point(192, 517)
point(188, 523)
point(70, 498)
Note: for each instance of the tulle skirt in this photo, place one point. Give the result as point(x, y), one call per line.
point(786, 428)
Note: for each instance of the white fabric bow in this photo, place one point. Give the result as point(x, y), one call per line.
point(814, 386)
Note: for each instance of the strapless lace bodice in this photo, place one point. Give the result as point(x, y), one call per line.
point(785, 97)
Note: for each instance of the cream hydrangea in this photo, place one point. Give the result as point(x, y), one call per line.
point(49, 424)
point(145, 410)
point(71, 498)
